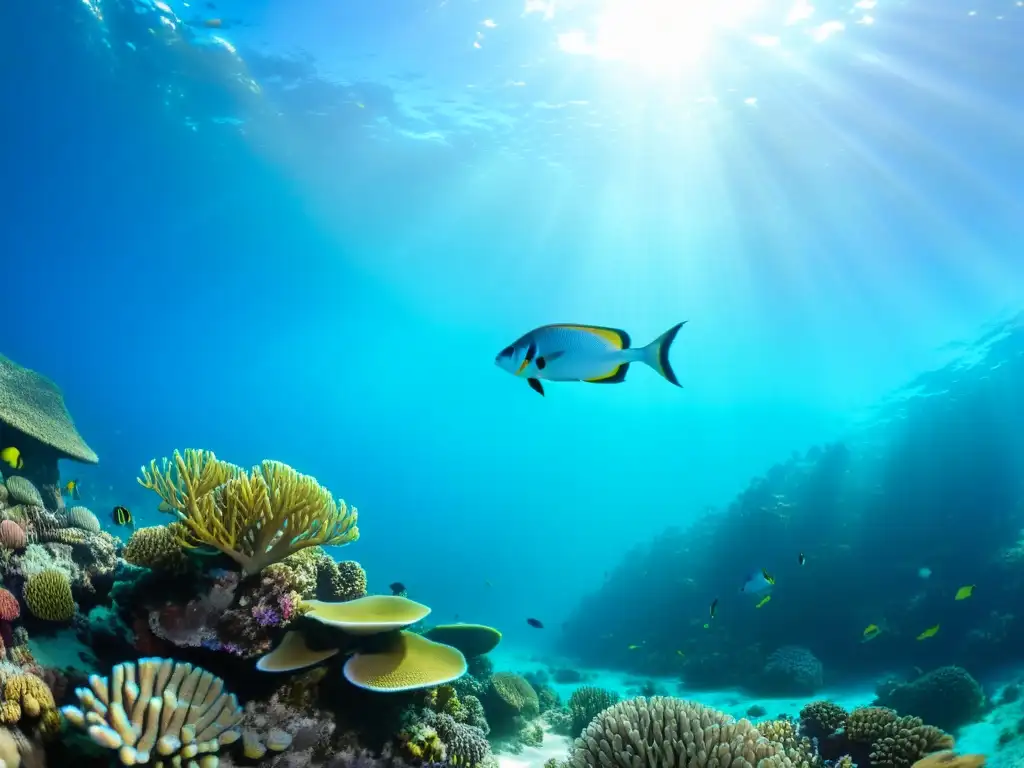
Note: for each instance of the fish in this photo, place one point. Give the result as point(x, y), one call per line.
point(11, 456)
point(757, 582)
point(763, 600)
point(487, 583)
point(213, 23)
point(163, 506)
point(767, 576)
point(122, 516)
point(871, 631)
point(801, 559)
point(70, 489)
point(714, 604)
point(396, 587)
point(680, 653)
point(964, 592)
point(535, 623)
point(576, 352)
point(632, 647)
point(930, 632)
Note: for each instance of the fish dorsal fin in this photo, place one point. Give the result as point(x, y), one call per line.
point(614, 336)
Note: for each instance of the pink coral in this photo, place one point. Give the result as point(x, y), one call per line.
point(12, 535)
point(9, 608)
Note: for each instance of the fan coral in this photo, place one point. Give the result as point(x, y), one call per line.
point(12, 535)
point(947, 697)
point(584, 705)
point(22, 490)
point(82, 517)
point(664, 732)
point(157, 705)
point(792, 670)
point(48, 596)
point(157, 548)
point(255, 518)
point(517, 693)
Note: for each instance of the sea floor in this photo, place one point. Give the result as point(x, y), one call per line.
point(979, 738)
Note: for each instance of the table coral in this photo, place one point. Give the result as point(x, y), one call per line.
point(255, 518)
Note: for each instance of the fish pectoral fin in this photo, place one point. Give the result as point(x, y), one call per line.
point(536, 386)
point(615, 376)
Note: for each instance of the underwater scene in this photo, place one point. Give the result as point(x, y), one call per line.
point(512, 384)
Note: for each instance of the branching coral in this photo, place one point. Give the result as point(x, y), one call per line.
point(256, 518)
point(158, 708)
point(585, 703)
point(662, 732)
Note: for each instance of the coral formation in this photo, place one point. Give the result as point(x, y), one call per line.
point(516, 693)
point(471, 639)
point(255, 518)
point(407, 662)
point(157, 709)
point(156, 547)
point(792, 670)
point(12, 535)
point(48, 596)
point(82, 517)
point(947, 697)
point(584, 705)
point(822, 718)
point(23, 491)
point(662, 732)
point(25, 695)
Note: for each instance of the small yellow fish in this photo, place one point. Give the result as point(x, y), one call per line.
point(707, 626)
point(633, 647)
point(11, 456)
point(930, 632)
point(764, 600)
point(576, 352)
point(70, 489)
point(680, 653)
point(964, 592)
point(871, 631)
point(767, 576)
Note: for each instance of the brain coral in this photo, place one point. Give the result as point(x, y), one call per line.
point(792, 670)
point(12, 535)
point(947, 697)
point(22, 490)
point(517, 693)
point(348, 580)
point(82, 517)
point(34, 405)
point(9, 608)
point(663, 732)
point(25, 694)
point(157, 548)
point(48, 596)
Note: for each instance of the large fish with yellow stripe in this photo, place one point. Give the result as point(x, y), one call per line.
point(593, 353)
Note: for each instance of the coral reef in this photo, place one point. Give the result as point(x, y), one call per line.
point(471, 639)
point(662, 732)
point(947, 697)
point(255, 518)
point(791, 670)
point(585, 703)
point(48, 596)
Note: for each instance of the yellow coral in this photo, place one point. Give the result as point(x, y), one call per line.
point(157, 548)
point(48, 596)
point(25, 695)
point(256, 518)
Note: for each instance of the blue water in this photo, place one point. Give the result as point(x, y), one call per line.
point(304, 236)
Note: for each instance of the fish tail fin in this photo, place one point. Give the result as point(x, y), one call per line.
point(655, 354)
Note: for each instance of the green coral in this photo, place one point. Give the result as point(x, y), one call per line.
point(256, 518)
point(517, 693)
point(48, 596)
point(585, 703)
